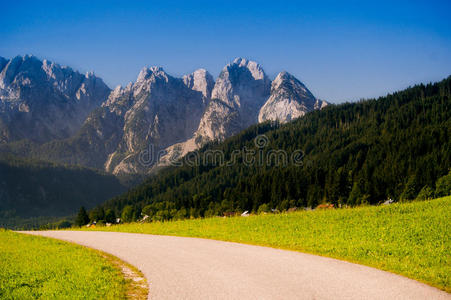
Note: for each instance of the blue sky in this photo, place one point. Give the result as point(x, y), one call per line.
point(342, 51)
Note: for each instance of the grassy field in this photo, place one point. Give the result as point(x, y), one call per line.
point(42, 268)
point(412, 239)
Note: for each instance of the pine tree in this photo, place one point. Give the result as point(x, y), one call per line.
point(82, 217)
point(110, 216)
point(443, 186)
point(127, 214)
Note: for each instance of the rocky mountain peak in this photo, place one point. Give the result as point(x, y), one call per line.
point(239, 92)
point(242, 82)
point(290, 99)
point(282, 77)
point(285, 82)
point(255, 69)
point(19, 66)
point(152, 72)
point(201, 81)
point(149, 77)
point(41, 100)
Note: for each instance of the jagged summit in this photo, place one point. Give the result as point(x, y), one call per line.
point(289, 99)
point(241, 82)
point(240, 90)
point(149, 72)
point(287, 83)
point(200, 80)
point(255, 69)
point(42, 101)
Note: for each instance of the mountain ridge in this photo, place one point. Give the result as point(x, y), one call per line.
point(157, 110)
point(42, 101)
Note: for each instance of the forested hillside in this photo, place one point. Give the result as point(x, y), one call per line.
point(39, 191)
point(353, 153)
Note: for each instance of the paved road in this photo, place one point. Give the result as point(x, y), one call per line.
point(188, 268)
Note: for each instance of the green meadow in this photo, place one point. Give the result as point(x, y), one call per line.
point(34, 267)
point(412, 239)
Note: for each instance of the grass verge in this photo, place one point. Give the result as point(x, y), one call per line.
point(136, 284)
point(411, 239)
point(33, 267)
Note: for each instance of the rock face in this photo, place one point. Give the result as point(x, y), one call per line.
point(201, 81)
point(42, 101)
point(155, 112)
point(76, 119)
point(239, 92)
point(289, 99)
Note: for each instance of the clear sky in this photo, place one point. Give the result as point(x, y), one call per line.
point(340, 50)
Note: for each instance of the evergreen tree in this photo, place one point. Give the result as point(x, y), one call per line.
point(97, 214)
point(127, 214)
point(425, 193)
point(82, 217)
point(110, 216)
point(443, 186)
point(410, 191)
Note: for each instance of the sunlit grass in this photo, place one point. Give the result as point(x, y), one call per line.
point(34, 267)
point(412, 239)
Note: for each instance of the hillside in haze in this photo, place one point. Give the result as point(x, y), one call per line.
point(36, 189)
point(350, 154)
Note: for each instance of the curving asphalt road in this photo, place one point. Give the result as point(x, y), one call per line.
point(189, 268)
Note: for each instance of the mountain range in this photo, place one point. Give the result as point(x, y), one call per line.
point(54, 113)
point(42, 101)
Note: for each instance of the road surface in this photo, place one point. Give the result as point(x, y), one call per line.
point(189, 268)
